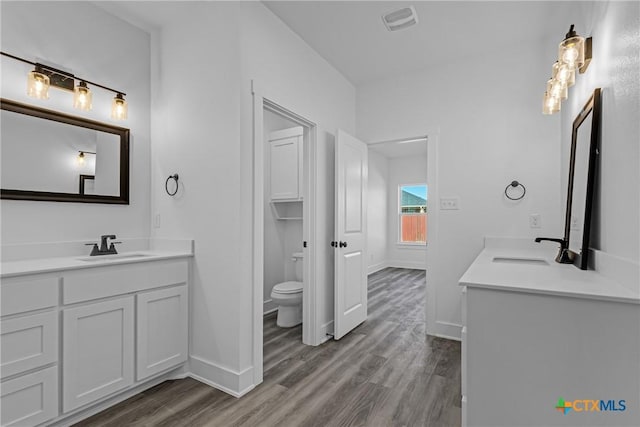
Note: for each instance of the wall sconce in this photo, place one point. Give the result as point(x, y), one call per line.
point(81, 157)
point(43, 77)
point(574, 54)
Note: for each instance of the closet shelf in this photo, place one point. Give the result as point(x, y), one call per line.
point(287, 210)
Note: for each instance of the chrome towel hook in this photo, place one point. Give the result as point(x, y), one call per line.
point(515, 184)
point(166, 184)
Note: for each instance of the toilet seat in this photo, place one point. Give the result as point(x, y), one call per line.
point(291, 287)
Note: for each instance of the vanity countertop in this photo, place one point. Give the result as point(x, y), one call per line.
point(48, 265)
point(535, 271)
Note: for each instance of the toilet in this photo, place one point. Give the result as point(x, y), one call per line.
point(288, 297)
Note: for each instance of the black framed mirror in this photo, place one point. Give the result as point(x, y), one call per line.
point(52, 156)
point(585, 143)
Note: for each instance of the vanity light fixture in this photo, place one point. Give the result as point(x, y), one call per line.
point(574, 54)
point(44, 76)
point(81, 158)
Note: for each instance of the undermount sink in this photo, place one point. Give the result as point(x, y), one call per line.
point(521, 260)
point(111, 257)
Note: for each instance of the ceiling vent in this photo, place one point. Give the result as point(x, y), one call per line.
point(400, 19)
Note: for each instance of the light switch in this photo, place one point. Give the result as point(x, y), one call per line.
point(156, 221)
point(449, 203)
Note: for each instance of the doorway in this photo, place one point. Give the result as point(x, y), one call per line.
point(265, 107)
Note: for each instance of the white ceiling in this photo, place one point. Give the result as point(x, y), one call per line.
point(351, 36)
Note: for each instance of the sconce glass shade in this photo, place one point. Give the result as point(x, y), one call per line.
point(556, 89)
point(571, 50)
point(119, 108)
point(550, 104)
point(564, 74)
point(82, 97)
point(38, 85)
point(80, 159)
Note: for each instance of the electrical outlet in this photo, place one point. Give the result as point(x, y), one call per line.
point(535, 221)
point(449, 203)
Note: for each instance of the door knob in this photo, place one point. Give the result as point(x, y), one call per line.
point(343, 244)
point(334, 244)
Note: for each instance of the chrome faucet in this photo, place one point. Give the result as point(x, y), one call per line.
point(104, 249)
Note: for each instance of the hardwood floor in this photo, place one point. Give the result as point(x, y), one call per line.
point(386, 372)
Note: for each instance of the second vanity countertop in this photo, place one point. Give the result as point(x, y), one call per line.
point(62, 263)
point(535, 271)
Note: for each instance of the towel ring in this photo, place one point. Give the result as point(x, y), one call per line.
point(166, 184)
point(515, 184)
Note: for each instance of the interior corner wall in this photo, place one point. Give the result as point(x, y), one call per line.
point(377, 211)
point(615, 68)
point(491, 131)
point(402, 171)
point(208, 141)
point(293, 75)
point(110, 52)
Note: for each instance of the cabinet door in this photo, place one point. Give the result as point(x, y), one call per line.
point(285, 170)
point(28, 342)
point(30, 399)
point(97, 351)
point(162, 332)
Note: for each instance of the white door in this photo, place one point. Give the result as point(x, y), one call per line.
point(350, 294)
point(97, 351)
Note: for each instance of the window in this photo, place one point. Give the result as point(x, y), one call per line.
point(413, 214)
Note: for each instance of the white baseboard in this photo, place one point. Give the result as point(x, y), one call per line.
point(325, 331)
point(415, 265)
point(234, 383)
point(269, 306)
point(377, 267)
point(451, 331)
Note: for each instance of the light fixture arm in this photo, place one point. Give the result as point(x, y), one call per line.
point(62, 73)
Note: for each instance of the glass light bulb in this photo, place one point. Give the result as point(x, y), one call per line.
point(82, 97)
point(557, 89)
point(119, 108)
point(571, 52)
point(550, 104)
point(38, 85)
point(80, 159)
point(564, 74)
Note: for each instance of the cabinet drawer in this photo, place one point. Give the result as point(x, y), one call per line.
point(117, 280)
point(28, 342)
point(28, 294)
point(30, 399)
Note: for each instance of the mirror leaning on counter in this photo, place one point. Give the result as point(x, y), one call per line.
point(52, 156)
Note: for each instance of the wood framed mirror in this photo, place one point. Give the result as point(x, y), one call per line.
point(585, 143)
point(49, 156)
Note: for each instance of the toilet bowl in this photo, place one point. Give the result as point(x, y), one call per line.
point(288, 297)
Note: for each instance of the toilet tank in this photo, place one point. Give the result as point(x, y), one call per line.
point(297, 260)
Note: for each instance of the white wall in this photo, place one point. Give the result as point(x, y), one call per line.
point(281, 237)
point(402, 171)
point(490, 132)
point(615, 68)
point(377, 211)
point(207, 139)
point(93, 44)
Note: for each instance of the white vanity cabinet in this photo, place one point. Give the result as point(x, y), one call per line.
point(76, 338)
point(536, 333)
point(285, 153)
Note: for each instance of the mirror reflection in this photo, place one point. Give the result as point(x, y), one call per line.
point(580, 174)
point(52, 156)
